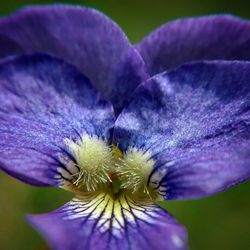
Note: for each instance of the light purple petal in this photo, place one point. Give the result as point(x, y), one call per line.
point(191, 39)
point(81, 36)
point(195, 122)
point(44, 101)
point(102, 223)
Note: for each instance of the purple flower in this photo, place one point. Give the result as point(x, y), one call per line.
point(122, 126)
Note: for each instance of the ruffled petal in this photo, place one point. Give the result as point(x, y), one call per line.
point(204, 38)
point(81, 36)
point(44, 101)
point(195, 123)
point(100, 222)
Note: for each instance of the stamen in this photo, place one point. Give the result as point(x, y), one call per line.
point(134, 169)
point(94, 158)
point(98, 166)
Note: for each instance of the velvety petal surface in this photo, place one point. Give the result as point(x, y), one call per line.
point(195, 123)
point(43, 102)
point(100, 222)
point(202, 38)
point(81, 36)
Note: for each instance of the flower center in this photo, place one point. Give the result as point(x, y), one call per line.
point(93, 159)
point(98, 166)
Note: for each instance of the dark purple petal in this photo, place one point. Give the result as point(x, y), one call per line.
point(81, 36)
point(203, 38)
point(44, 101)
point(102, 223)
point(195, 122)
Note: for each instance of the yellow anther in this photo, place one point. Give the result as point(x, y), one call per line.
point(94, 158)
point(134, 169)
point(99, 166)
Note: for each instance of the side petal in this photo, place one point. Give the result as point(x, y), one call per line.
point(44, 101)
point(82, 37)
point(195, 123)
point(204, 38)
point(100, 222)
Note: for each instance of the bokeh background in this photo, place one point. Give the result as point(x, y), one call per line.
point(221, 222)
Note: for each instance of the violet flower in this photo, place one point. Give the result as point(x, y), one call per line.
point(122, 126)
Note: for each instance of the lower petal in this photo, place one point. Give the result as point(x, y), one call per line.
point(103, 222)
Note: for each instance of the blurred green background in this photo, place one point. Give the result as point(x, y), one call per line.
point(221, 222)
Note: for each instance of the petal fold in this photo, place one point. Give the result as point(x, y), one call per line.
point(195, 123)
point(192, 39)
point(81, 36)
point(43, 102)
point(102, 222)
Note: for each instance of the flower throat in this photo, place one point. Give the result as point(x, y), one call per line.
point(102, 167)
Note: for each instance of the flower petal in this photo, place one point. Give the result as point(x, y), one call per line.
point(195, 123)
point(44, 101)
point(81, 36)
point(101, 222)
point(191, 39)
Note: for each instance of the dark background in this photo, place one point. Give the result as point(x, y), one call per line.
point(221, 222)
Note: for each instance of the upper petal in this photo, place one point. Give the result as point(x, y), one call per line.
point(44, 101)
point(100, 222)
point(203, 38)
point(81, 36)
point(195, 123)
